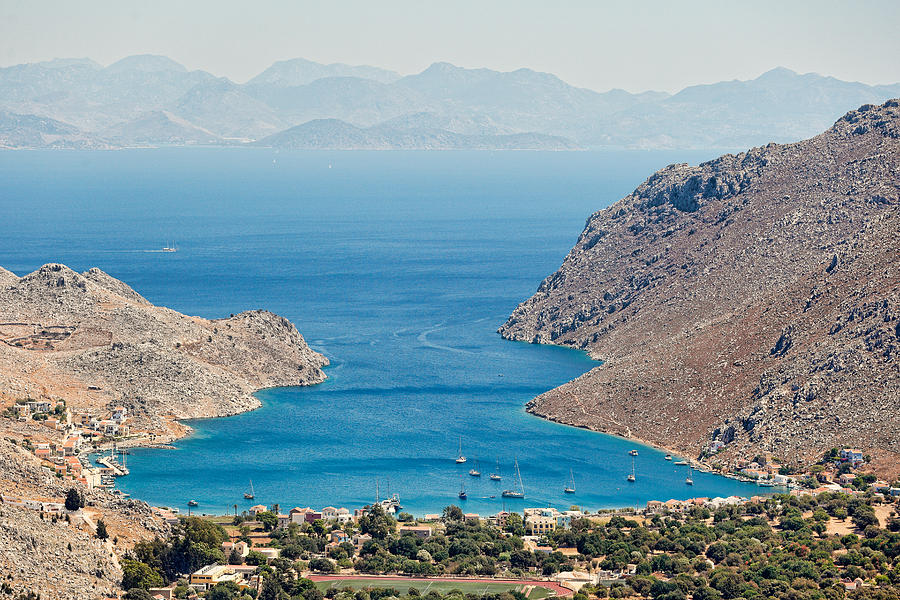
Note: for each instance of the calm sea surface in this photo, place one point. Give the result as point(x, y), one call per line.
point(399, 266)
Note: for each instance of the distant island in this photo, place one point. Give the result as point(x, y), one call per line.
point(746, 307)
point(147, 101)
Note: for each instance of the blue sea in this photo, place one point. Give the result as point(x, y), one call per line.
point(398, 266)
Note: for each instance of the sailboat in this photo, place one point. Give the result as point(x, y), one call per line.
point(475, 472)
point(496, 474)
point(570, 487)
point(690, 478)
point(172, 248)
point(519, 492)
point(460, 458)
point(250, 495)
point(462, 489)
point(631, 477)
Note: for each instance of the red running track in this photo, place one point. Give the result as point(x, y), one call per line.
point(550, 585)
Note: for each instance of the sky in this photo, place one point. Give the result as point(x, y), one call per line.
point(632, 45)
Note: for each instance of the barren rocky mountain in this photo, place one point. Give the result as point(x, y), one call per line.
point(753, 299)
point(94, 341)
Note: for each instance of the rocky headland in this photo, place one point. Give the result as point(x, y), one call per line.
point(92, 340)
point(753, 299)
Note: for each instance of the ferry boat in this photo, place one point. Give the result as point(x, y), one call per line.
point(681, 463)
point(495, 476)
point(519, 492)
point(391, 505)
point(460, 459)
point(570, 487)
point(475, 472)
point(250, 495)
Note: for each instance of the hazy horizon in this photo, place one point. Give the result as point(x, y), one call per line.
point(654, 46)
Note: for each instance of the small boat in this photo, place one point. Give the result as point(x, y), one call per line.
point(570, 487)
point(172, 248)
point(475, 472)
point(681, 463)
point(192, 503)
point(462, 490)
point(633, 452)
point(631, 476)
point(668, 457)
point(519, 492)
point(690, 478)
point(495, 476)
point(460, 458)
point(250, 495)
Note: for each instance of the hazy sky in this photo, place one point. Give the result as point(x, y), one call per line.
point(635, 45)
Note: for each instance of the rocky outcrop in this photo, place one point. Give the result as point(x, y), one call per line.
point(58, 556)
point(754, 299)
point(91, 339)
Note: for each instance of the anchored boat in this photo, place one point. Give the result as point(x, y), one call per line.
point(570, 487)
point(460, 458)
point(519, 492)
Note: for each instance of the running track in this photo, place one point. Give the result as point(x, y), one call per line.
point(550, 585)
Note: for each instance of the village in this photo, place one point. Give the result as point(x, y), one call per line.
point(337, 547)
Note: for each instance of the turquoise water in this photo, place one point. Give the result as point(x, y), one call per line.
point(399, 266)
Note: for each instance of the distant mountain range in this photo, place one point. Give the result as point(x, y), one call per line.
point(152, 100)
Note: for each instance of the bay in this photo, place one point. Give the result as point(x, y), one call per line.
point(399, 266)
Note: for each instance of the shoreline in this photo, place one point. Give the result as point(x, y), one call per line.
point(166, 443)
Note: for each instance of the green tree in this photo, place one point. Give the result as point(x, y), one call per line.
point(101, 530)
point(136, 574)
point(453, 513)
point(515, 525)
point(74, 499)
point(268, 519)
point(322, 565)
point(223, 591)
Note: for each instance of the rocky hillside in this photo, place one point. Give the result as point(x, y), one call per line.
point(753, 299)
point(94, 341)
point(61, 557)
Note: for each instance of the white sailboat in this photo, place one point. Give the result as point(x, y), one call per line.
point(519, 492)
point(460, 458)
point(570, 487)
point(495, 476)
point(690, 477)
point(250, 495)
point(631, 477)
point(475, 471)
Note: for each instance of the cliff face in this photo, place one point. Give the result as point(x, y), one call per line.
point(753, 299)
point(94, 341)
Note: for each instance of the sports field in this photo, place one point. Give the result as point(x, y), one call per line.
point(534, 590)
